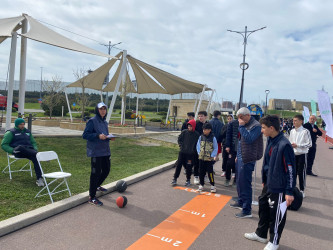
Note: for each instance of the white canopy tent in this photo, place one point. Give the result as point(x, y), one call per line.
point(149, 79)
point(37, 32)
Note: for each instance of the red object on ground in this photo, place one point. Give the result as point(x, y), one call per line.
point(121, 201)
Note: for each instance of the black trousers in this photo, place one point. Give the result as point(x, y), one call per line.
point(206, 167)
point(300, 170)
point(230, 167)
point(100, 169)
point(29, 153)
point(196, 165)
point(185, 160)
point(310, 158)
point(270, 217)
point(225, 156)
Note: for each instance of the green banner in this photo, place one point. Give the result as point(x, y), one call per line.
point(313, 107)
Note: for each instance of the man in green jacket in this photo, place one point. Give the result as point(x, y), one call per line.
point(20, 142)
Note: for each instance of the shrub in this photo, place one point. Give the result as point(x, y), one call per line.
point(162, 113)
point(155, 120)
point(57, 109)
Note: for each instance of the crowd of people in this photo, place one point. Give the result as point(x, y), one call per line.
point(239, 140)
point(290, 152)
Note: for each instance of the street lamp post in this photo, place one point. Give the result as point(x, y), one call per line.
point(244, 66)
point(110, 46)
point(267, 92)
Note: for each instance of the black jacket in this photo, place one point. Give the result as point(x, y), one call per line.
point(223, 134)
point(199, 126)
point(314, 135)
point(187, 141)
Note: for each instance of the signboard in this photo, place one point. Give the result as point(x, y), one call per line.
point(255, 110)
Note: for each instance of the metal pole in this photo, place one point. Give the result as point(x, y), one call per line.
point(196, 102)
point(41, 82)
point(244, 66)
point(201, 96)
point(137, 109)
point(69, 106)
point(115, 93)
point(11, 80)
point(210, 101)
point(267, 92)
point(123, 99)
point(23, 67)
point(167, 117)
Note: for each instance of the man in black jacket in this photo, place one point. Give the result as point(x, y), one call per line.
point(314, 132)
point(278, 179)
point(187, 142)
point(190, 116)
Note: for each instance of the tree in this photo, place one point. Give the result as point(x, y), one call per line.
point(82, 99)
point(54, 91)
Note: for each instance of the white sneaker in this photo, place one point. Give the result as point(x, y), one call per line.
point(200, 189)
point(233, 176)
point(212, 189)
point(271, 246)
point(40, 182)
point(255, 237)
point(223, 174)
point(303, 193)
point(196, 180)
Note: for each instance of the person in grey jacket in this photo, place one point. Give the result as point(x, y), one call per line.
point(250, 149)
point(98, 148)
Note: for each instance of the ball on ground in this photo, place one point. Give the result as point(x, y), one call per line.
point(121, 186)
point(121, 201)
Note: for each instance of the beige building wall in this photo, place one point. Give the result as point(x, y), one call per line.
point(181, 107)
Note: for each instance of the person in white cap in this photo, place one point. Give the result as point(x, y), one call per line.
point(98, 148)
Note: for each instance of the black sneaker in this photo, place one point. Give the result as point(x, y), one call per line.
point(174, 182)
point(236, 205)
point(187, 183)
point(312, 174)
point(95, 201)
point(242, 215)
point(101, 189)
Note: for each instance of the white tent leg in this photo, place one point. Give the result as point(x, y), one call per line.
point(101, 96)
point(137, 109)
point(210, 101)
point(201, 96)
point(11, 80)
point(167, 117)
point(23, 67)
point(123, 99)
point(69, 106)
point(196, 102)
point(115, 93)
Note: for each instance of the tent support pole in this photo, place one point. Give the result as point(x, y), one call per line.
point(167, 117)
point(23, 66)
point(210, 101)
point(11, 80)
point(69, 106)
point(201, 96)
point(123, 97)
point(115, 92)
point(137, 110)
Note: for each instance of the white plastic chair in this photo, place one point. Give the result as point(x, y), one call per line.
point(11, 160)
point(49, 156)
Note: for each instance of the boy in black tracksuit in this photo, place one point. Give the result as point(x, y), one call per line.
point(278, 178)
point(187, 141)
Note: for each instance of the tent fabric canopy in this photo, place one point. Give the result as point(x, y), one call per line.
point(41, 33)
point(8, 25)
point(112, 84)
point(172, 84)
point(145, 84)
point(95, 79)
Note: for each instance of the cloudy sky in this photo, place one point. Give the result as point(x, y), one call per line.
point(189, 38)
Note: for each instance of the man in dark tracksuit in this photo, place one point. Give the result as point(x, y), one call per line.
point(279, 179)
point(187, 141)
point(250, 149)
point(217, 126)
point(314, 132)
point(98, 148)
point(20, 142)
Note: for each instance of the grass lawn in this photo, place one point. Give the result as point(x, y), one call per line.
point(32, 105)
point(128, 158)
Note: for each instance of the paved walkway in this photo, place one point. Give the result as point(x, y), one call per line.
point(153, 200)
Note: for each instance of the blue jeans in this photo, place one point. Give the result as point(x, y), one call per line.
point(244, 184)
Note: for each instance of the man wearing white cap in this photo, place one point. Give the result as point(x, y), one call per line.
point(98, 148)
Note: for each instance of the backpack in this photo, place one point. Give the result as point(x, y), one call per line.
point(298, 199)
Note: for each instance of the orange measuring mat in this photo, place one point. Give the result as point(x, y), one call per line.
point(181, 228)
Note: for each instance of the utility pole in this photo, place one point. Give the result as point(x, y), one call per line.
point(244, 66)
